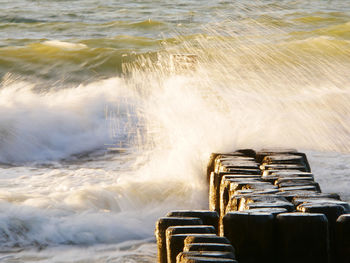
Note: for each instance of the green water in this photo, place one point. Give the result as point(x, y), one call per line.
point(110, 33)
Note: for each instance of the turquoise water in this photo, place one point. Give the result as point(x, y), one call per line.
point(109, 112)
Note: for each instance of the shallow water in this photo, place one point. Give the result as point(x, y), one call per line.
point(109, 112)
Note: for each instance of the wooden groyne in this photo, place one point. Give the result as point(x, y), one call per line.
point(264, 206)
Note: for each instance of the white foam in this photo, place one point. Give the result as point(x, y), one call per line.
point(56, 124)
point(133, 252)
point(87, 206)
point(64, 45)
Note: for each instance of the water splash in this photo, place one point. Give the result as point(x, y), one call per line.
point(260, 87)
point(248, 91)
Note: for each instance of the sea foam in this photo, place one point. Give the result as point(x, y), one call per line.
point(53, 125)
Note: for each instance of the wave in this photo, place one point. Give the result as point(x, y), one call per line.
point(33, 25)
point(18, 19)
point(55, 124)
point(30, 227)
point(148, 24)
point(273, 79)
point(85, 214)
point(319, 18)
point(338, 31)
point(76, 61)
point(64, 45)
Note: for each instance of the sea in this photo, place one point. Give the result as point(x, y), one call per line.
point(109, 111)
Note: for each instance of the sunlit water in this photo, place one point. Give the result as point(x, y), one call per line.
point(109, 111)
